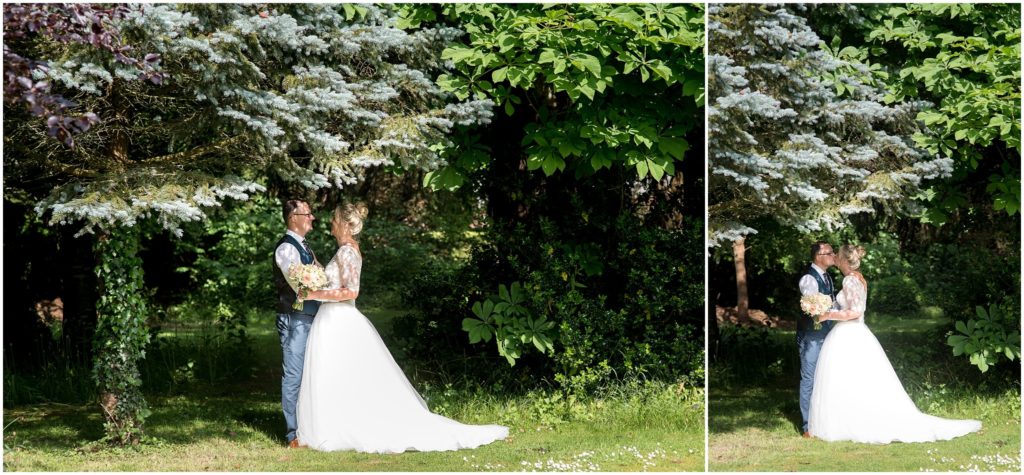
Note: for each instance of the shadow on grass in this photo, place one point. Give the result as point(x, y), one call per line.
point(174, 420)
point(52, 426)
point(767, 408)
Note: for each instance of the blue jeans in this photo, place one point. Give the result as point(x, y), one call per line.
point(293, 329)
point(809, 342)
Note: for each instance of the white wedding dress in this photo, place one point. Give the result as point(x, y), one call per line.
point(857, 395)
point(353, 394)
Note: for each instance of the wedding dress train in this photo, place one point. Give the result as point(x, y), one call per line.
point(353, 394)
point(857, 395)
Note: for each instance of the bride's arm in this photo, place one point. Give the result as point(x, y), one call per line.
point(348, 275)
point(334, 294)
point(842, 315)
point(854, 292)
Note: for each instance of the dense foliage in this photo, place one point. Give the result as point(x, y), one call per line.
point(965, 59)
point(621, 311)
point(289, 91)
point(609, 85)
point(591, 183)
point(25, 79)
point(785, 145)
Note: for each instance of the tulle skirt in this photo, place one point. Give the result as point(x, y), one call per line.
point(858, 397)
point(355, 397)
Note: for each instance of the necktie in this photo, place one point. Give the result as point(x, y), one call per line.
point(310, 251)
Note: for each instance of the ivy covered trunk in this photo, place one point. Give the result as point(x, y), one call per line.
point(121, 335)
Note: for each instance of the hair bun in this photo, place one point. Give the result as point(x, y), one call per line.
point(354, 214)
point(361, 210)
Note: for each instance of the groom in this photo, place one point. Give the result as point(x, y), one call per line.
point(809, 340)
point(293, 325)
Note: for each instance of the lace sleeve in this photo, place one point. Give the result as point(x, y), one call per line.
point(349, 266)
point(855, 295)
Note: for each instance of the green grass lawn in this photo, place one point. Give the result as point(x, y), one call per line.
point(239, 427)
point(754, 422)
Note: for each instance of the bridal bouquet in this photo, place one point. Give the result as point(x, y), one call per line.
point(306, 278)
point(816, 305)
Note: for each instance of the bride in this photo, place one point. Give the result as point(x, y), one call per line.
point(857, 395)
point(353, 395)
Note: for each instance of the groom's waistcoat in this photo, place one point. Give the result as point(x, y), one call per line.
point(825, 287)
point(285, 295)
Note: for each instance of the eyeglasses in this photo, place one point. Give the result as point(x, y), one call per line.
point(826, 254)
point(302, 214)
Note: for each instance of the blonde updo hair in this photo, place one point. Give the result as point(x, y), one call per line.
point(352, 214)
point(852, 254)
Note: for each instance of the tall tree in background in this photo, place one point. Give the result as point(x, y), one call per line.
point(786, 146)
point(309, 95)
point(584, 88)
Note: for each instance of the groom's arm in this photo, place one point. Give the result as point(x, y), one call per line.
point(285, 257)
point(808, 286)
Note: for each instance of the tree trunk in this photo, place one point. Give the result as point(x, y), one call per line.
point(739, 251)
point(714, 334)
point(121, 335)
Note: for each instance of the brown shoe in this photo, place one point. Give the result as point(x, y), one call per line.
point(294, 444)
point(807, 435)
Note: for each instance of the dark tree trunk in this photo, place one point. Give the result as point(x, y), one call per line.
point(693, 166)
point(507, 183)
point(713, 332)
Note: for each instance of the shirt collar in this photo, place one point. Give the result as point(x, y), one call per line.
point(821, 271)
point(295, 235)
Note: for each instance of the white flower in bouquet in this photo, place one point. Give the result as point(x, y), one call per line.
point(816, 305)
point(306, 278)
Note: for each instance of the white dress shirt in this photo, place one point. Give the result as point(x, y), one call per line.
point(808, 285)
point(286, 256)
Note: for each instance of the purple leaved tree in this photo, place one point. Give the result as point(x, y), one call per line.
point(86, 24)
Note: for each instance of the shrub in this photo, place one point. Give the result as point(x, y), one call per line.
point(895, 294)
point(959, 278)
point(988, 339)
point(628, 306)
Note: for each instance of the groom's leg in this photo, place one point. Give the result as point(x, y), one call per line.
point(293, 329)
point(810, 346)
